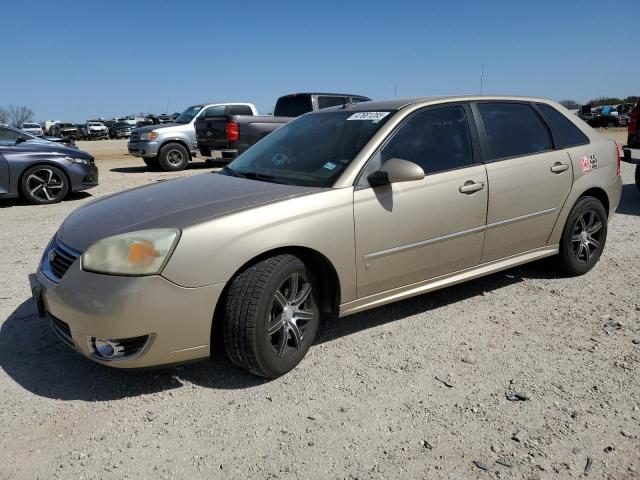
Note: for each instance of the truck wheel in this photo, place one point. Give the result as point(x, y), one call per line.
point(44, 184)
point(151, 163)
point(270, 316)
point(584, 236)
point(638, 176)
point(173, 157)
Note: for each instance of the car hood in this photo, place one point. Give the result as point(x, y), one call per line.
point(169, 204)
point(43, 146)
point(162, 128)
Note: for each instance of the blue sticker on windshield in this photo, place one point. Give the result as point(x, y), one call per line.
point(329, 166)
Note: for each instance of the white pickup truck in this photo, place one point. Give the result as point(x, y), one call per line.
point(171, 146)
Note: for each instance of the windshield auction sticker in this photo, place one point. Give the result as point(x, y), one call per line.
point(369, 116)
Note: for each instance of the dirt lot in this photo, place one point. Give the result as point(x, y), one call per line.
point(366, 402)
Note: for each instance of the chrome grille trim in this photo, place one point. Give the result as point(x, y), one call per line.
point(57, 259)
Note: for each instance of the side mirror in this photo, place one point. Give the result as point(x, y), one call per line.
point(396, 170)
point(20, 140)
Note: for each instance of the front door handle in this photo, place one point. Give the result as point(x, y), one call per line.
point(559, 167)
point(470, 187)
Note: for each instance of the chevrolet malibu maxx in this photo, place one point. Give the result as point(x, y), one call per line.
point(339, 211)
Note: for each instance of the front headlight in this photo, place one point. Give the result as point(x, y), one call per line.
point(81, 161)
point(136, 253)
point(148, 136)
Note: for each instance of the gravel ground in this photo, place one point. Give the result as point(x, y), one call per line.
point(424, 388)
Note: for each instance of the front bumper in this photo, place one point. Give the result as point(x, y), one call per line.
point(83, 177)
point(143, 149)
point(175, 321)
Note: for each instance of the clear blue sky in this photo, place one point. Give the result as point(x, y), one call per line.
point(73, 60)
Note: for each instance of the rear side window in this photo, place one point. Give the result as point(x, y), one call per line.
point(436, 139)
point(214, 111)
point(513, 129)
point(238, 110)
point(325, 102)
point(565, 133)
point(293, 106)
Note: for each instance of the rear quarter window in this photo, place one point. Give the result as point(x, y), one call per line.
point(565, 133)
point(513, 130)
point(293, 106)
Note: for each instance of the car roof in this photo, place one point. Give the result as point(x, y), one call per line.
point(398, 103)
point(324, 93)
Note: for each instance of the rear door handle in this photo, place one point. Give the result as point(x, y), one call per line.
point(559, 167)
point(470, 187)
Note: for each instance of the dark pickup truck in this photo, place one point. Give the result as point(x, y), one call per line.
point(231, 132)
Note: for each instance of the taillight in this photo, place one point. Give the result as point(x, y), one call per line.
point(618, 156)
point(232, 132)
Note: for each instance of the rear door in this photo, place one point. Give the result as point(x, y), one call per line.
point(529, 181)
point(4, 170)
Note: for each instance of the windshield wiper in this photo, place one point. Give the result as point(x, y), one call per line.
point(231, 172)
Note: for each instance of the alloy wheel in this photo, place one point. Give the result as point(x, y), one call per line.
point(174, 158)
point(291, 311)
point(45, 184)
point(585, 237)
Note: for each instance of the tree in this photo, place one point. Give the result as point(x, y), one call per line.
point(18, 114)
point(570, 104)
point(4, 115)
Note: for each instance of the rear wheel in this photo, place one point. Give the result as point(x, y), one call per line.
point(271, 316)
point(44, 184)
point(584, 236)
point(173, 157)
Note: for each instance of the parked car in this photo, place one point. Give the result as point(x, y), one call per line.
point(13, 134)
point(41, 171)
point(338, 211)
point(171, 147)
point(65, 130)
point(48, 125)
point(124, 128)
point(32, 128)
point(96, 130)
point(603, 121)
point(231, 133)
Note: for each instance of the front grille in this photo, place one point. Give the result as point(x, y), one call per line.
point(62, 330)
point(57, 260)
point(135, 136)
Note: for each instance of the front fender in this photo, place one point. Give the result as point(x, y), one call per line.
point(213, 251)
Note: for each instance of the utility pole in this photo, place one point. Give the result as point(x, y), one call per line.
point(395, 90)
point(481, 77)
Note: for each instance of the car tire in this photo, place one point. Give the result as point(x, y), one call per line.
point(44, 184)
point(270, 316)
point(151, 163)
point(584, 236)
point(638, 176)
point(174, 157)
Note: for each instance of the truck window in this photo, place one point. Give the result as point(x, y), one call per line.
point(293, 106)
point(325, 102)
point(238, 110)
point(214, 111)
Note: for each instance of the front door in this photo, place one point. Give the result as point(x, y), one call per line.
point(413, 231)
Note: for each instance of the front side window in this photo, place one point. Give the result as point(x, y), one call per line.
point(10, 135)
point(313, 150)
point(214, 111)
point(436, 139)
point(513, 130)
point(565, 133)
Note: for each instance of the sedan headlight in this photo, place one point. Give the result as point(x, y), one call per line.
point(148, 135)
point(81, 161)
point(136, 253)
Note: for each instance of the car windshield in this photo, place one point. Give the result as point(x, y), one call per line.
point(188, 115)
point(31, 125)
point(312, 150)
point(95, 124)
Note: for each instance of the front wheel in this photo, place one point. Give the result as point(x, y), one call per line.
point(584, 236)
point(173, 157)
point(271, 316)
point(151, 163)
point(44, 184)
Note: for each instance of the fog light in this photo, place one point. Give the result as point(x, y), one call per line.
point(105, 348)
